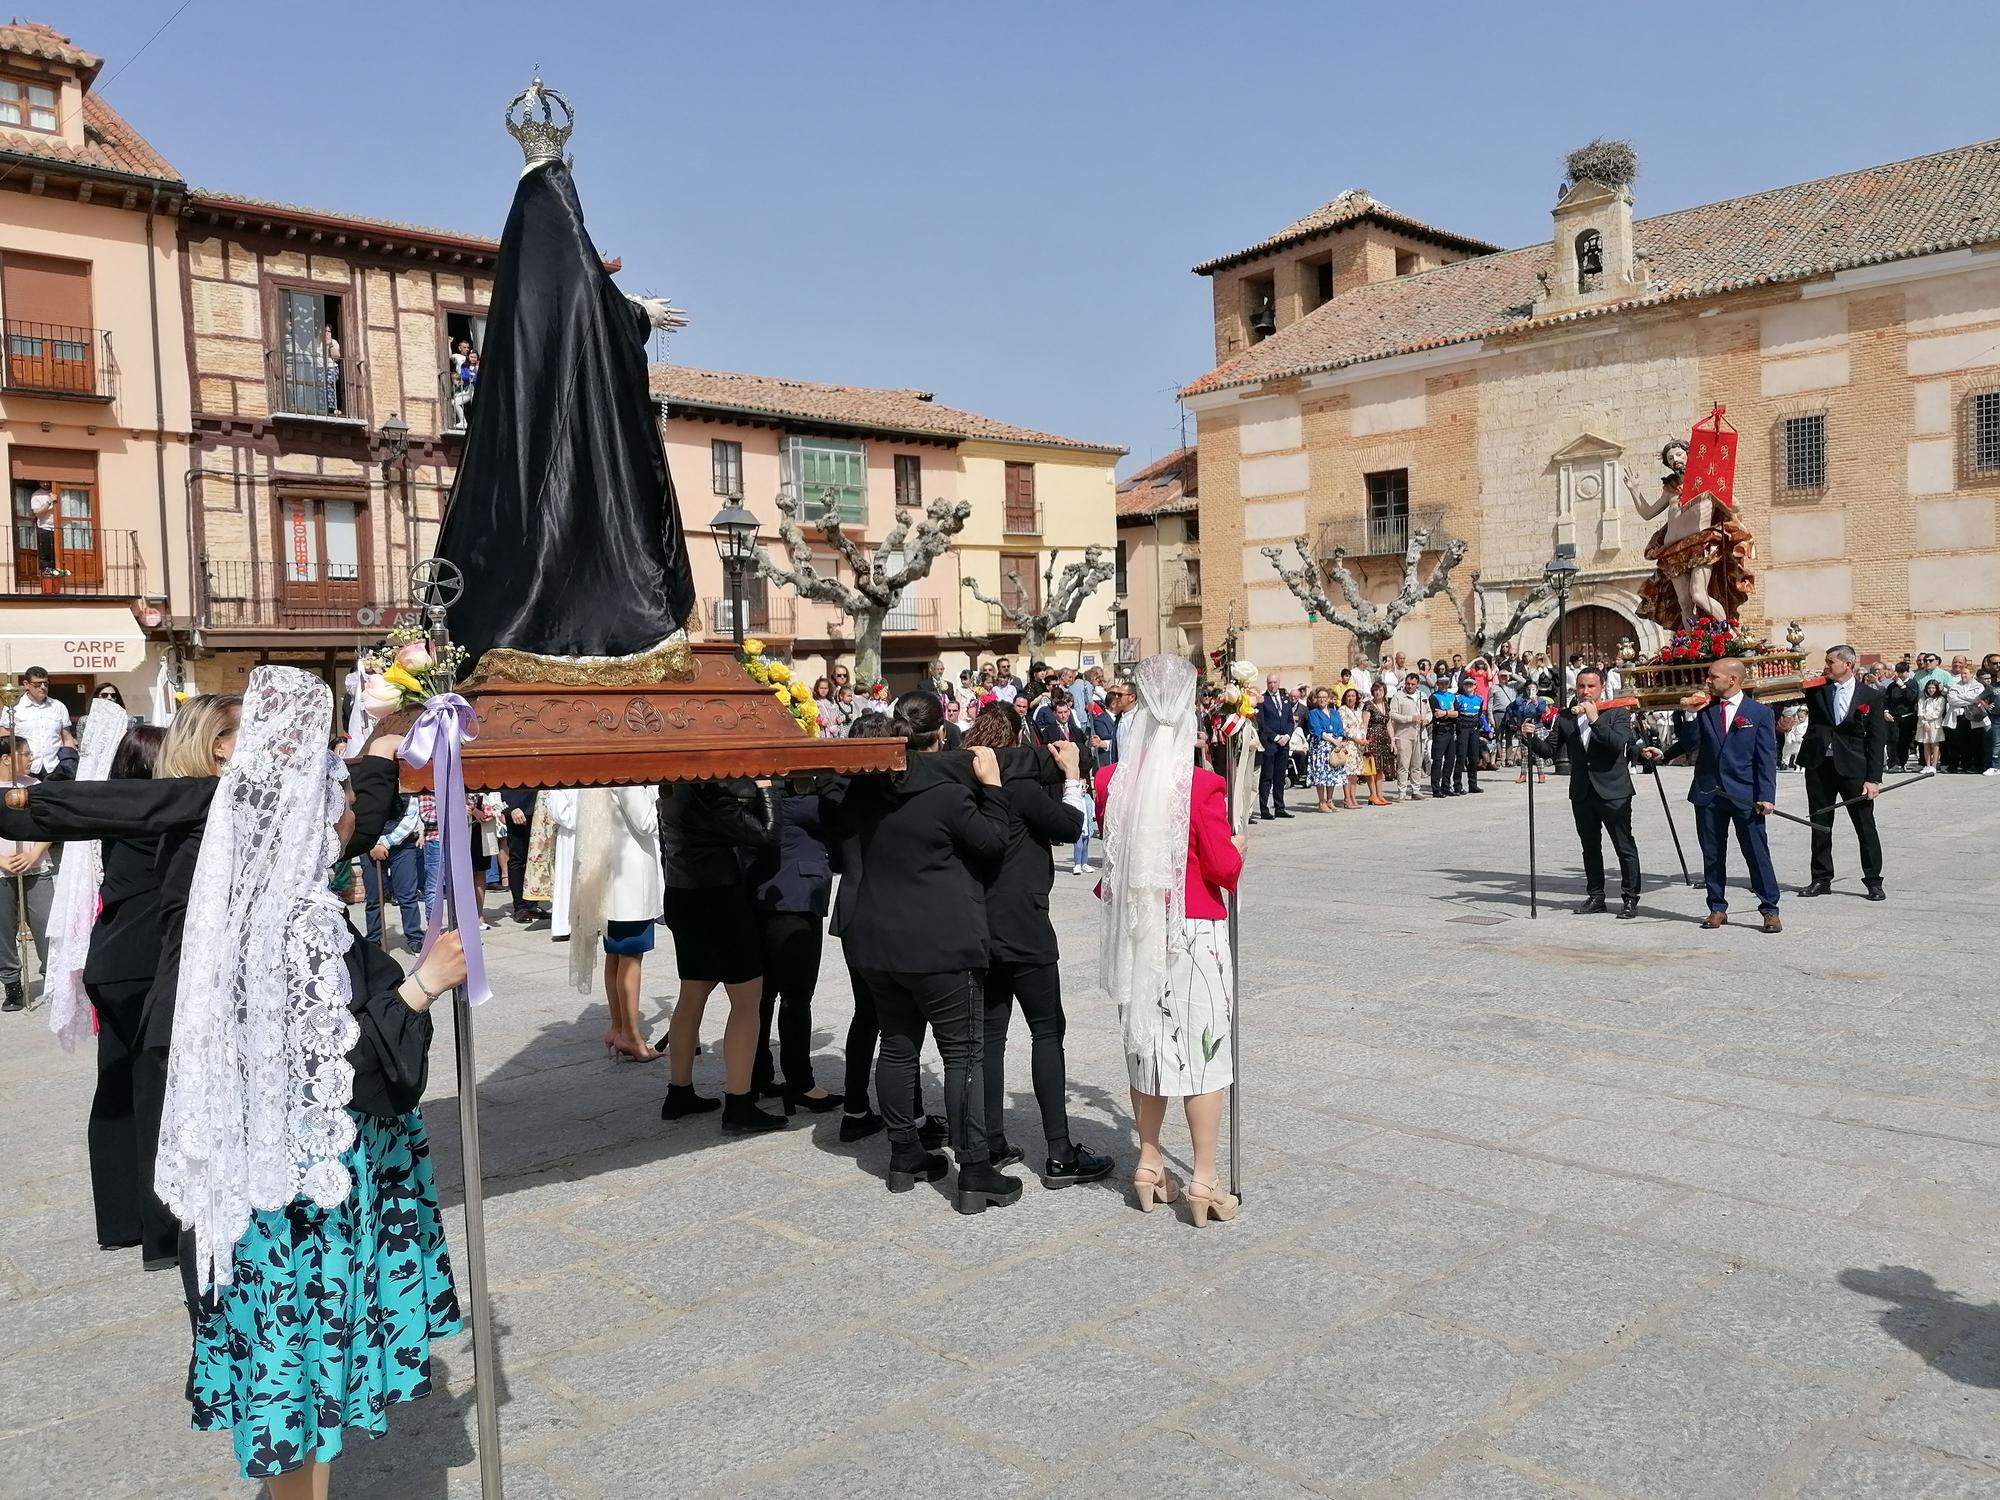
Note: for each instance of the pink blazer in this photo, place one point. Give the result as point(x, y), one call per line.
point(1213, 862)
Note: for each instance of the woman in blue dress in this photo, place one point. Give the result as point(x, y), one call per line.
point(1326, 761)
point(292, 1146)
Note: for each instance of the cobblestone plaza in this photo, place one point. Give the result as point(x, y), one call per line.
point(1532, 1209)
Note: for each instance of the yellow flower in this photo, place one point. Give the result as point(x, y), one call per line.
point(759, 671)
point(1246, 705)
point(779, 671)
point(753, 647)
point(783, 697)
point(403, 679)
point(801, 693)
point(808, 709)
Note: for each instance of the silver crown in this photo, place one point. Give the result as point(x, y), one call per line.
point(542, 139)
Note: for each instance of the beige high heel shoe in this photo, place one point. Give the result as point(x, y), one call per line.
point(1154, 1185)
point(1206, 1199)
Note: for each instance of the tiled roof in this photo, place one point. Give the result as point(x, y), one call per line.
point(910, 411)
point(1350, 207)
point(34, 39)
point(109, 145)
point(1930, 204)
point(200, 198)
point(1164, 487)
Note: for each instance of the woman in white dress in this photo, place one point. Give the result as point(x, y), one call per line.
point(1169, 856)
point(562, 812)
point(616, 890)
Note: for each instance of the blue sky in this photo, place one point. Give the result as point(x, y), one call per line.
point(1000, 203)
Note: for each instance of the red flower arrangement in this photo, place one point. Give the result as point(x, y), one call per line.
point(1705, 639)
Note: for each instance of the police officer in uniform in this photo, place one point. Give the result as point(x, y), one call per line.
point(1444, 739)
point(1471, 712)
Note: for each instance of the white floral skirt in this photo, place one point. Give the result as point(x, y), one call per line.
point(1179, 1044)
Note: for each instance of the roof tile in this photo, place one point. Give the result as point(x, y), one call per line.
point(911, 411)
point(1944, 201)
point(1349, 207)
point(1166, 486)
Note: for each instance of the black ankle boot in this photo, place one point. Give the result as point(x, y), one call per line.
point(741, 1116)
point(906, 1170)
point(683, 1100)
point(932, 1131)
point(984, 1186)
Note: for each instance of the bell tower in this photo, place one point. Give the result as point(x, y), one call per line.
point(1592, 257)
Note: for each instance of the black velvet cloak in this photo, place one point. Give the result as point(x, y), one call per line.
point(563, 516)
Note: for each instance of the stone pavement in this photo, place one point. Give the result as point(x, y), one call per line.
point(1533, 1210)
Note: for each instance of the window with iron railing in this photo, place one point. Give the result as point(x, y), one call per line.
point(1982, 432)
point(1022, 517)
point(313, 377)
point(1388, 510)
point(1802, 452)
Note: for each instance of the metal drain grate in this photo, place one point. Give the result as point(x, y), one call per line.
point(1478, 921)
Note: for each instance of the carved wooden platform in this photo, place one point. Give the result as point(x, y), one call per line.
point(720, 724)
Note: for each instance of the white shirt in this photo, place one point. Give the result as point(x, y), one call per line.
point(1843, 699)
point(41, 725)
point(1729, 707)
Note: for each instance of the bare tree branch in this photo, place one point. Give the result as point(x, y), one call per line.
point(1475, 619)
point(1369, 624)
point(1062, 600)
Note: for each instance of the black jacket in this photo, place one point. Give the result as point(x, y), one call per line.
point(1856, 747)
point(926, 844)
point(1899, 700)
point(709, 830)
point(1602, 773)
point(125, 941)
point(1017, 899)
point(796, 873)
point(174, 811)
point(391, 1058)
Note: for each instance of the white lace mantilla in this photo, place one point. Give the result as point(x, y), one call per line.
point(1146, 817)
point(258, 1081)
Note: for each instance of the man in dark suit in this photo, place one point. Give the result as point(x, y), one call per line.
point(1899, 701)
point(1274, 728)
point(1734, 742)
point(1847, 740)
point(1599, 743)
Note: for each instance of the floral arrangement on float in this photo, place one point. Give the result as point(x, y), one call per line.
point(1703, 639)
point(796, 696)
point(403, 672)
point(1243, 677)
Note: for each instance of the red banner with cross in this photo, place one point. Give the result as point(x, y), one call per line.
point(1711, 462)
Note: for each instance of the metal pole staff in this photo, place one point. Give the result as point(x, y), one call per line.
point(24, 932)
point(1533, 770)
point(429, 590)
point(1243, 741)
point(1660, 782)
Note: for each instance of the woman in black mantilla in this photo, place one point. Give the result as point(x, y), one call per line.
point(563, 517)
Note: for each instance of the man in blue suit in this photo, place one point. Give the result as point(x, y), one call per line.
point(1734, 742)
point(1274, 726)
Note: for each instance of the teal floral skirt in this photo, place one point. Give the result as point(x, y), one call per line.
point(330, 1318)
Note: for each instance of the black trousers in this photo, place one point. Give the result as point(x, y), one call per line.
point(952, 1005)
point(1902, 739)
point(863, 1032)
point(1038, 987)
point(791, 973)
point(1594, 819)
point(1272, 765)
point(1444, 755)
point(127, 1211)
point(517, 861)
point(1966, 748)
point(1468, 752)
point(1824, 787)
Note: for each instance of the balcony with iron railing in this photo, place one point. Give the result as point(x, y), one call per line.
point(1125, 651)
point(350, 601)
point(61, 360)
point(1384, 536)
point(310, 385)
point(910, 617)
point(75, 561)
point(773, 615)
point(1184, 593)
point(1018, 519)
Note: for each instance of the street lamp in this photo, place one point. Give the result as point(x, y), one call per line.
point(736, 544)
point(1561, 572)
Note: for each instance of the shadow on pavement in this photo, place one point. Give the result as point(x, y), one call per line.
point(1969, 1351)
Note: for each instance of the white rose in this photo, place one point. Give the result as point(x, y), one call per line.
point(380, 696)
point(1243, 673)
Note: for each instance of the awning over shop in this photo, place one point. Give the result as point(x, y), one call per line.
point(99, 639)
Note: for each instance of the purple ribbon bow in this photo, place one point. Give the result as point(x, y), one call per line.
point(445, 725)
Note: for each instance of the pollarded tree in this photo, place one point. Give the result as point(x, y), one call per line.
point(1062, 599)
point(880, 578)
point(1370, 624)
point(1485, 630)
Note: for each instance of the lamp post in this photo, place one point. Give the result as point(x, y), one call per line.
point(736, 544)
point(396, 453)
point(1561, 572)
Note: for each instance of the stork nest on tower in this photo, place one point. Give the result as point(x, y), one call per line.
point(1613, 163)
